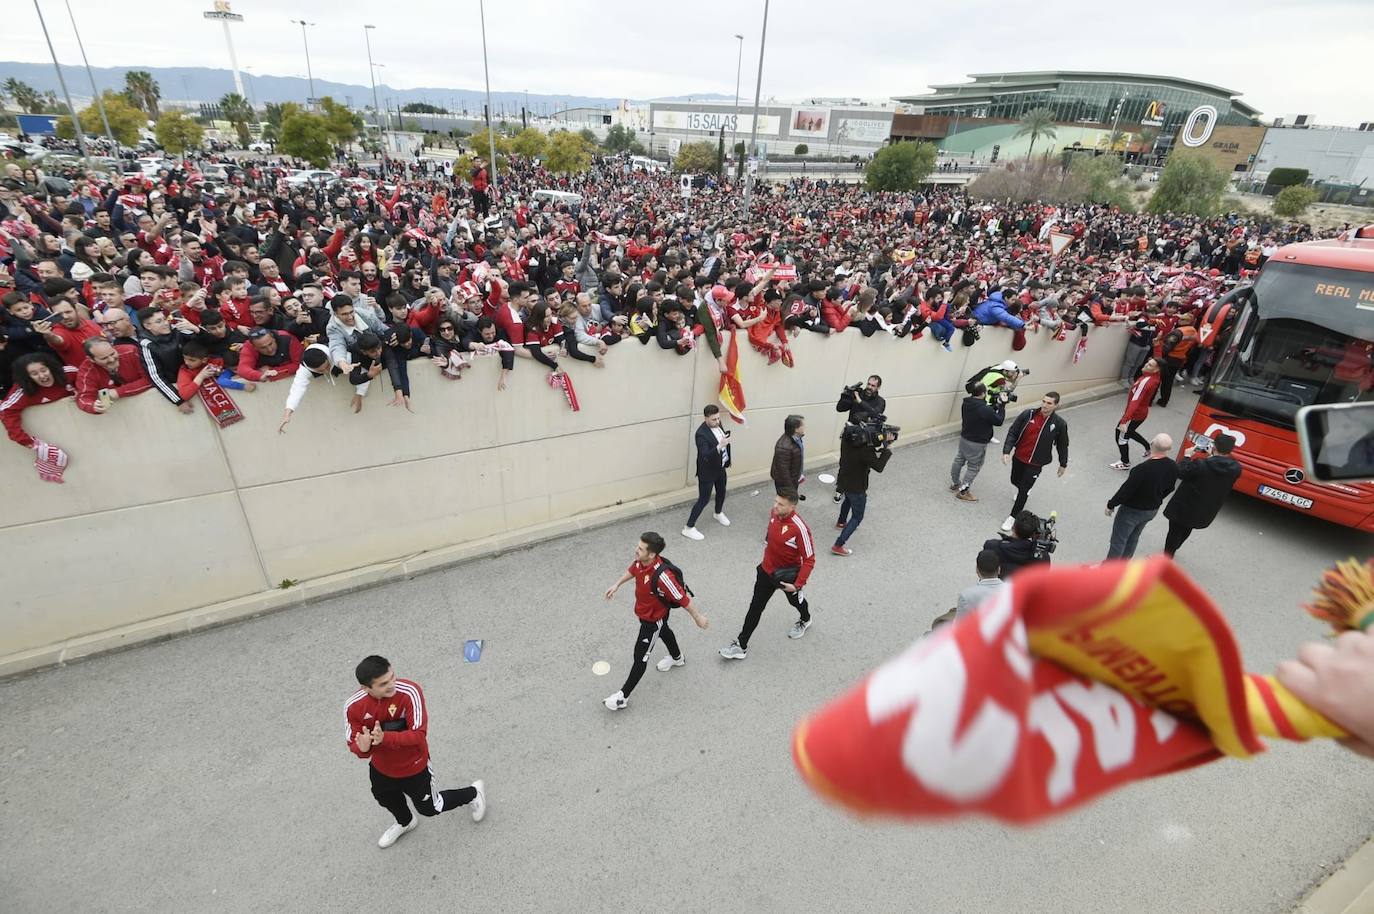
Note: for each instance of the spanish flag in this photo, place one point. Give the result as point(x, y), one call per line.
point(731, 390)
point(1065, 684)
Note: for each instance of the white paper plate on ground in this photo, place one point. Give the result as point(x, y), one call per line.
point(826, 479)
point(601, 668)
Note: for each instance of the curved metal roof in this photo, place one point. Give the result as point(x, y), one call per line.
point(987, 84)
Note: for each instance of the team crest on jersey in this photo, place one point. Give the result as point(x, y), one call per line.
point(392, 709)
point(784, 528)
point(367, 716)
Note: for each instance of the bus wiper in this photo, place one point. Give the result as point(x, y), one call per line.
point(1283, 395)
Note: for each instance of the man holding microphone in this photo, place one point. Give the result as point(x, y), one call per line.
point(713, 459)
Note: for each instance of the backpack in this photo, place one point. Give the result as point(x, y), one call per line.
point(668, 566)
point(1172, 339)
point(977, 375)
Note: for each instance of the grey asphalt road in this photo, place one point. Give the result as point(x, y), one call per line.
point(209, 773)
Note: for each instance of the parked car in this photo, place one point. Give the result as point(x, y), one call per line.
point(312, 176)
point(260, 147)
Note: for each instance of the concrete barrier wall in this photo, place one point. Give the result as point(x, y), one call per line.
point(163, 512)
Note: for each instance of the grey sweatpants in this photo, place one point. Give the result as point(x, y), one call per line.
point(969, 459)
point(1136, 357)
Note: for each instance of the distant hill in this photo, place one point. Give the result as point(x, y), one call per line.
point(206, 84)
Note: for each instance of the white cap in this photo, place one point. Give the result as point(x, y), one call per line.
point(1008, 365)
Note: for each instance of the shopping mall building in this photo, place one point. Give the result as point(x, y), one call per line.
point(978, 119)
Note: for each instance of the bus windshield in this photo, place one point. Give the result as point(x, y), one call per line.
point(1306, 337)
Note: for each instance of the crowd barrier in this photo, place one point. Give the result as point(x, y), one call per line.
point(163, 513)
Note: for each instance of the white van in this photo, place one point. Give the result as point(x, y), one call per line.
point(644, 163)
point(557, 198)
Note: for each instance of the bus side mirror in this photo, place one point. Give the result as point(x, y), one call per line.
point(1337, 442)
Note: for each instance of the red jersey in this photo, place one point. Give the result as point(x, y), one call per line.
point(546, 337)
point(564, 286)
point(162, 251)
point(1138, 400)
point(788, 546)
point(647, 604)
point(70, 350)
point(1025, 445)
point(403, 752)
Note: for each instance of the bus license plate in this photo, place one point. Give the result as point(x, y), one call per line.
point(1289, 498)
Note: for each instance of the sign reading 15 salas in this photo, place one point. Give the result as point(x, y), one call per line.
point(713, 121)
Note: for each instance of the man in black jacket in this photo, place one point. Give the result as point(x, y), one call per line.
point(713, 458)
point(160, 349)
point(979, 419)
point(861, 404)
point(786, 469)
point(1204, 481)
point(1033, 435)
point(1018, 549)
point(858, 455)
point(1137, 500)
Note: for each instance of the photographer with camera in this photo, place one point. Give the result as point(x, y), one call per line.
point(979, 419)
point(1031, 540)
point(862, 400)
point(998, 380)
point(864, 446)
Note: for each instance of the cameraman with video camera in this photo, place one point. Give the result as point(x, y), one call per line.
point(862, 400)
point(1031, 540)
point(864, 445)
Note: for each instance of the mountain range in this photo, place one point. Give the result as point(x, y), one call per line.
point(193, 85)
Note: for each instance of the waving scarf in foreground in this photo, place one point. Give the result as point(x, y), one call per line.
point(1065, 684)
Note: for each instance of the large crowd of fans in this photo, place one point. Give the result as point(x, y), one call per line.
point(203, 277)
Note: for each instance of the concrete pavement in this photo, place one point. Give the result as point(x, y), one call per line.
point(208, 773)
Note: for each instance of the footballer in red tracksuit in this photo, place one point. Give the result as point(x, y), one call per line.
point(658, 589)
point(1137, 410)
point(789, 555)
point(386, 722)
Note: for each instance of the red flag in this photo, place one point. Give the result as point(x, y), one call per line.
point(731, 389)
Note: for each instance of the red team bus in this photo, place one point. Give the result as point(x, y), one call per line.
point(1302, 335)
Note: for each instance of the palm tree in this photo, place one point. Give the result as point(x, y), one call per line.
point(142, 90)
point(24, 95)
point(235, 109)
point(1037, 123)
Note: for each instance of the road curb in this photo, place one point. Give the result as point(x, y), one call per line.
point(1349, 890)
point(405, 567)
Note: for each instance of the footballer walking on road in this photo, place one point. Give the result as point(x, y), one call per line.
point(387, 724)
point(788, 557)
point(659, 588)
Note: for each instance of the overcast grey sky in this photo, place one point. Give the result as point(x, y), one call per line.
point(1284, 57)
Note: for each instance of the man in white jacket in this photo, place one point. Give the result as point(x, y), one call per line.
point(315, 363)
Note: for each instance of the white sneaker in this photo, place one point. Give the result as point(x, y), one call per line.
point(479, 805)
point(722, 520)
point(733, 651)
point(798, 629)
point(389, 836)
point(1008, 524)
point(995, 440)
point(692, 533)
point(667, 663)
point(616, 702)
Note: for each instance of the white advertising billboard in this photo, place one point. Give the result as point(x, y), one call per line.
point(854, 130)
point(810, 122)
point(712, 121)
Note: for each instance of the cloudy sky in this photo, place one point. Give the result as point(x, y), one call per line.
point(1285, 58)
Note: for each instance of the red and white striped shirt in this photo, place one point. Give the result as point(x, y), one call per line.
point(789, 546)
point(403, 752)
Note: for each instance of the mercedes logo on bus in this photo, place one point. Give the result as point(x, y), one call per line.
point(1294, 475)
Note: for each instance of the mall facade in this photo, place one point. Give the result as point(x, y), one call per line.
point(1146, 111)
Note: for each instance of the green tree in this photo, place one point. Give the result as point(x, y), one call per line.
point(29, 99)
point(344, 123)
point(422, 108)
point(481, 145)
point(235, 109)
point(177, 133)
point(720, 153)
point(1099, 180)
point(142, 91)
point(529, 143)
point(1293, 201)
point(1286, 177)
point(801, 150)
point(695, 158)
point(901, 166)
point(587, 135)
point(1037, 123)
point(126, 121)
point(306, 136)
point(568, 153)
point(619, 138)
point(1191, 185)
